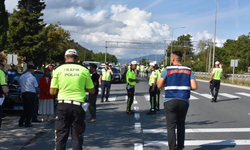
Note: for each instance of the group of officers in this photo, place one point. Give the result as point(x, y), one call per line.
point(154, 92)
point(71, 80)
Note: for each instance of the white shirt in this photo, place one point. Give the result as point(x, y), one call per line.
point(28, 83)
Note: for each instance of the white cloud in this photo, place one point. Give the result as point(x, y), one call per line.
point(91, 30)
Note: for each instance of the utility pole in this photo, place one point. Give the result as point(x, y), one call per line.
point(214, 32)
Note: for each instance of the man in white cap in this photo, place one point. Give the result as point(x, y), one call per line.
point(215, 81)
point(152, 89)
point(71, 80)
point(131, 81)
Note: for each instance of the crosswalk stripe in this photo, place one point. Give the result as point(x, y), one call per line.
point(242, 93)
point(200, 142)
point(202, 130)
point(207, 96)
point(229, 95)
point(138, 146)
point(147, 97)
point(112, 98)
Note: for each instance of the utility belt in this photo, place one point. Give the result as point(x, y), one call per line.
point(84, 105)
point(128, 87)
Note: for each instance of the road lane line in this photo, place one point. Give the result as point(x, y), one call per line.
point(138, 127)
point(209, 130)
point(137, 116)
point(200, 142)
point(112, 98)
point(242, 93)
point(136, 108)
point(138, 146)
point(208, 96)
point(135, 101)
point(147, 97)
point(229, 95)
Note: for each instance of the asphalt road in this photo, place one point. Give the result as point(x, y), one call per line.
point(223, 125)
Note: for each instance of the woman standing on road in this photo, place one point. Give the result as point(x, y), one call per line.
point(46, 103)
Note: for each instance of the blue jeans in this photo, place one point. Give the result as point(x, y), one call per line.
point(103, 86)
point(176, 111)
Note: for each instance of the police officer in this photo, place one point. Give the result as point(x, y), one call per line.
point(131, 81)
point(162, 68)
point(105, 81)
point(3, 90)
point(178, 81)
point(71, 80)
point(152, 89)
point(158, 72)
point(215, 80)
point(142, 70)
point(11, 73)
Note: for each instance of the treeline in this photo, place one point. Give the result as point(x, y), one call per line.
point(26, 34)
point(199, 61)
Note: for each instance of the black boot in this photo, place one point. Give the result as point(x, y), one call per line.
point(107, 100)
point(102, 100)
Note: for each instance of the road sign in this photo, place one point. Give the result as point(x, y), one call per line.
point(234, 63)
point(11, 58)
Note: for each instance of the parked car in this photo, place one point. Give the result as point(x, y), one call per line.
point(116, 77)
point(14, 101)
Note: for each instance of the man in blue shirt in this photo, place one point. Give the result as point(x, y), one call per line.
point(178, 81)
point(11, 73)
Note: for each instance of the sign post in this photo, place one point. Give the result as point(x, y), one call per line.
point(234, 63)
point(11, 58)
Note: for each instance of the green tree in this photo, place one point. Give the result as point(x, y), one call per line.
point(3, 25)
point(25, 35)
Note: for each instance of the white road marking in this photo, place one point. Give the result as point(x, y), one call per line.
point(208, 96)
point(210, 130)
point(147, 97)
point(242, 93)
point(136, 108)
point(126, 98)
point(229, 95)
point(191, 97)
point(138, 127)
point(195, 92)
point(137, 116)
point(112, 98)
point(138, 146)
point(200, 142)
point(135, 101)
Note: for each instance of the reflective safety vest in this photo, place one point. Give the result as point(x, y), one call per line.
point(106, 74)
point(178, 82)
point(137, 67)
point(141, 68)
point(158, 72)
point(151, 78)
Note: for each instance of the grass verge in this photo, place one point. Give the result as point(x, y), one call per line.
point(236, 82)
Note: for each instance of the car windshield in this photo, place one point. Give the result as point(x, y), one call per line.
point(114, 70)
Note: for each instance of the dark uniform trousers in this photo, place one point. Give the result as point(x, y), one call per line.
point(152, 98)
point(92, 105)
point(28, 100)
point(157, 98)
point(130, 93)
point(103, 86)
point(215, 84)
point(69, 116)
point(176, 111)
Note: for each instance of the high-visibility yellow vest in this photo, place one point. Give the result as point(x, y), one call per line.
point(106, 74)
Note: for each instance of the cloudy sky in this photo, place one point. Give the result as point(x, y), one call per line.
point(92, 22)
